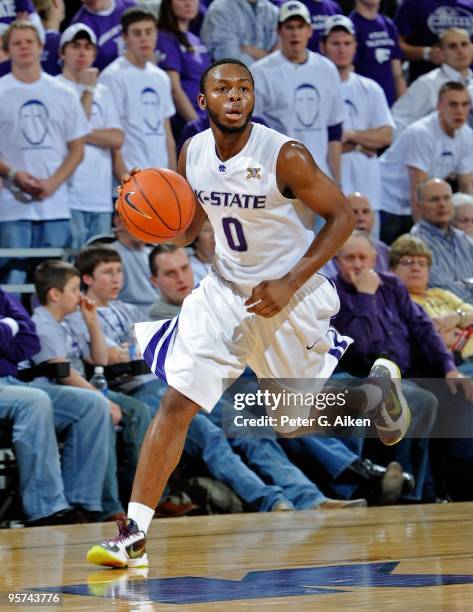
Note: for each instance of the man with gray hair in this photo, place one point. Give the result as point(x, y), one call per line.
point(463, 213)
point(452, 251)
point(421, 97)
point(438, 145)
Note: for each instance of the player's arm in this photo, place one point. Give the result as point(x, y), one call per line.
point(465, 182)
point(299, 176)
point(199, 215)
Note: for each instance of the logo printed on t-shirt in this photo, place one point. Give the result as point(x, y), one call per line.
point(150, 107)
point(445, 17)
point(33, 118)
point(382, 55)
point(307, 104)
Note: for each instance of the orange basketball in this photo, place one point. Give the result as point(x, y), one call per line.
point(156, 205)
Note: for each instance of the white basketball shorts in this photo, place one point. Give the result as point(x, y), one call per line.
point(208, 345)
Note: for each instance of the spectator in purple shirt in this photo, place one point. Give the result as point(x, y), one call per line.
point(103, 17)
point(378, 313)
point(183, 57)
point(319, 11)
point(420, 23)
point(378, 56)
point(51, 13)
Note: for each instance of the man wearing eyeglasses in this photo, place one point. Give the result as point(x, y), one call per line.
point(377, 312)
point(452, 251)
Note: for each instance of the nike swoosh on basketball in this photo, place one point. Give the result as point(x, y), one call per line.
point(128, 195)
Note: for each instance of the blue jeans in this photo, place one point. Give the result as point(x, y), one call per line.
point(267, 459)
point(86, 224)
point(136, 418)
point(332, 453)
point(34, 440)
point(84, 417)
point(26, 235)
point(207, 442)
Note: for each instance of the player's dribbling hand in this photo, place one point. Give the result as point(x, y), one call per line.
point(125, 178)
point(269, 297)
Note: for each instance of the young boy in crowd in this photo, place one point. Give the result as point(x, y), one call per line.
point(58, 289)
point(102, 275)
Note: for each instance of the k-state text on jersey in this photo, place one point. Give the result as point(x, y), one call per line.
point(225, 198)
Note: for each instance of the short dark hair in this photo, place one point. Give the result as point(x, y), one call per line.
point(451, 86)
point(134, 14)
point(221, 62)
point(167, 247)
point(52, 274)
point(88, 259)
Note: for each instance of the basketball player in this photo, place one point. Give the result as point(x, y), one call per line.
point(263, 303)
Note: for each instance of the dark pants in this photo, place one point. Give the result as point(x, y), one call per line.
point(393, 226)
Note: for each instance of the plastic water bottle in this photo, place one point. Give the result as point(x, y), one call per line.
point(132, 343)
point(99, 381)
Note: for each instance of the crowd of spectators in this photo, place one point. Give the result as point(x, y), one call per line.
point(379, 92)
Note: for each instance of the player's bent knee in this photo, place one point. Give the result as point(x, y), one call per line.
point(177, 407)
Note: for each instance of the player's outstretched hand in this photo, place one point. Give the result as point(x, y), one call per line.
point(126, 177)
point(269, 297)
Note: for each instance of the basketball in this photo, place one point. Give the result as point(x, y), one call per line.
point(156, 205)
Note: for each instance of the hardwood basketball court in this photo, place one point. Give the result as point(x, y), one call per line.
point(392, 558)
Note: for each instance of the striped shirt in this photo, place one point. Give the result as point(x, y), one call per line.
point(452, 258)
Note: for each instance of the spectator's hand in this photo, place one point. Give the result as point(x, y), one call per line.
point(27, 183)
point(269, 297)
point(88, 309)
point(436, 56)
point(446, 323)
point(456, 380)
point(46, 187)
point(88, 76)
point(367, 281)
point(115, 413)
point(451, 336)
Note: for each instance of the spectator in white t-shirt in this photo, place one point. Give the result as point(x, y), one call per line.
point(421, 97)
point(298, 92)
point(368, 124)
point(439, 145)
point(91, 209)
point(42, 127)
point(142, 92)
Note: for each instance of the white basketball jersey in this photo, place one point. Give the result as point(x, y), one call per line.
point(259, 233)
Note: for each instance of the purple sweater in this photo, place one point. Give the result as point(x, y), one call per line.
point(24, 344)
point(388, 324)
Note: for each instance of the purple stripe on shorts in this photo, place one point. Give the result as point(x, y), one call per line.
point(161, 360)
point(148, 354)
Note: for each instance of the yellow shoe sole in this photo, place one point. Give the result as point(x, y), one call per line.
point(97, 555)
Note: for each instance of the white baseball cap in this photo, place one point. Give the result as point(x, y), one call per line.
point(293, 8)
point(73, 30)
point(339, 21)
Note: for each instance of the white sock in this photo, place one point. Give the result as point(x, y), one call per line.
point(141, 514)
